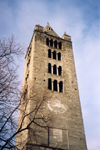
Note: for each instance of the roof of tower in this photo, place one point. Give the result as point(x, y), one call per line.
point(49, 30)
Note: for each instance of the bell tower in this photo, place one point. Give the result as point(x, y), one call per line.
point(49, 63)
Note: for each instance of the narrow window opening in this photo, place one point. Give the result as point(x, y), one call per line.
point(59, 70)
point(49, 84)
point(60, 86)
point(47, 41)
point(49, 68)
point(55, 85)
point(51, 42)
point(54, 55)
point(60, 45)
point(49, 53)
point(54, 69)
point(55, 44)
point(59, 56)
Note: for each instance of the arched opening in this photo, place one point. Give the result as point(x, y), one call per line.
point(54, 69)
point(47, 41)
point(55, 44)
point(54, 55)
point(55, 85)
point(51, 42)
point(60, 45)
point(60, 86)
point(59, 70)
point(49, 84)
point(49, 68)
point(59, 56)
point(49, 53)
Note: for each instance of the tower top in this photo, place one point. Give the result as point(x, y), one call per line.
point(48, 30)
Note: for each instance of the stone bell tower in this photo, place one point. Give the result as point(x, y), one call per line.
point(49, 63)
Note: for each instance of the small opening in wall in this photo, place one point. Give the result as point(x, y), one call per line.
point(49, 53)
point(54, 55)
point(49, 84)
point(51, 42)
point(59, 56)
point(54, 69)
point(35, 78)
point(60, 45)
point(75, 89)
point(59, 70)
point(49, 68)
point(55, 85)
point(72, 81)
point(44, 80)
point(60, 86)
point(47, 41)
point(55, 44)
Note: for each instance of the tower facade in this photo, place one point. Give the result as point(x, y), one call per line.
point(50, 65)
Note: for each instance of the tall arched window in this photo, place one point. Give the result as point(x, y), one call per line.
point(54, 55)
point(54, 69)
point(59, 56)
point(51, 42)
point(60, 45)
point(49, 68)
point(59, 70)
point(55, 85)
point(49, 53)
point(47, 41)
point(55, 44)
point(49, 84)
point(60, 86)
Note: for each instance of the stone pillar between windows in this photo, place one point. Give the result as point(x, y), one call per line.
point(52, 85)
point(51, 69)
point(58, 86)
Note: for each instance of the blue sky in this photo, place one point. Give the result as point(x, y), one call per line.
point(81, 20)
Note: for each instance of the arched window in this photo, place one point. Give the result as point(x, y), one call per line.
point(49, 84)
point(60, 45)
point(51, 42)
point(54, 55)
point(49, 68)
point(60, 86)
point(55, 85)
point(47, 41)
point(49, 53)
point(59, 56)
point(59, 70)
point(55, 44)
point(54, 69)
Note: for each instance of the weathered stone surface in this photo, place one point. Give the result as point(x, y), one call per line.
point(67, 131)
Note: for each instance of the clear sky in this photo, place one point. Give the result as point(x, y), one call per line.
point(81, 20)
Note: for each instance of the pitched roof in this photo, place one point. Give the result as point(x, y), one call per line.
point(49, 30)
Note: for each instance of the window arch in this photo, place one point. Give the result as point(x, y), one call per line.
point(54, 54)
point(49, 53)
point(51, 42)
point(60, 45)
point(55, 44)
point(55, 85)
point(47, 41)
point(60, 86)
point(49, 68)
point(54, 69)
point(59, 56)
point(59, 70)
point(49, 84)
